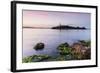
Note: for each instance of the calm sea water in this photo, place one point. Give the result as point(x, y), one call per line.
point(52, 38)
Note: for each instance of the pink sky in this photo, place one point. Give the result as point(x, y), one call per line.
point(49, 19)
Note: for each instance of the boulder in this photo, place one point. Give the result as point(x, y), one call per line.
point(64, 49)
point(80, 51)
point(39, 46)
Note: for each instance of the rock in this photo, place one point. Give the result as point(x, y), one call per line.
point(35, 58)
point(85, 43)
point(64, 49)
point(38, 58)
point(87, 54)
point(80, 51)
point(77, 47)
point(39, 46)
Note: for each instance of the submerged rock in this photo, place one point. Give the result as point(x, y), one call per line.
point(38, 58)
point(35, 58)
point(39, 46)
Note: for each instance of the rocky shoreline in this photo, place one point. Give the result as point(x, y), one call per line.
point(80, 50)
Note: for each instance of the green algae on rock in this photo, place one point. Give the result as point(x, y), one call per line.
point(64, 49)
point(35, 58)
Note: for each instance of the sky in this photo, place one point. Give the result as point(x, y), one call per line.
point(34, 18)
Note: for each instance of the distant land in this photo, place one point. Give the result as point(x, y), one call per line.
point(57, 27)
point(67, 27)
point(36, 27)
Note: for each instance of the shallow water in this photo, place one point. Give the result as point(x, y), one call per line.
point(52, 38)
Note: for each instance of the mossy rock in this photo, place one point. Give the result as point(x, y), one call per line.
point(38, 58)
point(64, 44)
point(39, 46)
point(85, 43)
point(64, 49)
point(64, 58)
point(35, 58)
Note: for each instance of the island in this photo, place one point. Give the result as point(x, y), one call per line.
point(67, 27)
point(61, 27)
